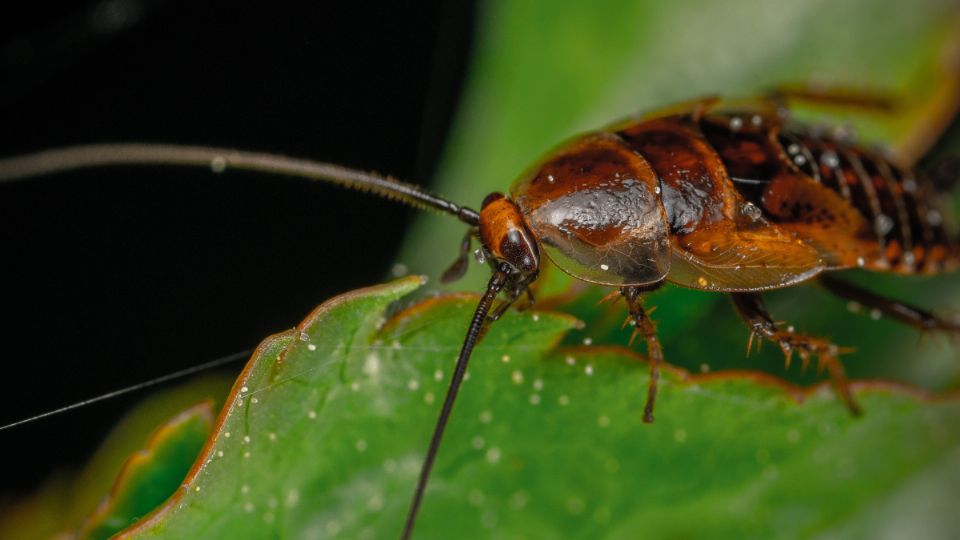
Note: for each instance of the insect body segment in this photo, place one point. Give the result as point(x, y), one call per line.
point(595, 207)
point(720, 241)
point(873, 213)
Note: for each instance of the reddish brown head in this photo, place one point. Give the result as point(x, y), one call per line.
point(506, 237)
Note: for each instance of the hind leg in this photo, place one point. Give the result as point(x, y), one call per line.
point(754, 313)
point(918, 318)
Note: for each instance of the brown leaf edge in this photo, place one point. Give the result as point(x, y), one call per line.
point(798, 394)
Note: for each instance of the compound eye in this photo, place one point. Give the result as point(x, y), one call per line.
point(519, 250)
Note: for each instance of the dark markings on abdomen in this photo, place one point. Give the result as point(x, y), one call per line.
point(905, 221)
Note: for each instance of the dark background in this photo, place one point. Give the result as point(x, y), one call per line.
point(111, 277)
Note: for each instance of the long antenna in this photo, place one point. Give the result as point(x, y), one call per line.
point(497, 282)
point(132, 388)
point(221, 159)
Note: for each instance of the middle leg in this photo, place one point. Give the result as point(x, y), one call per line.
point(754, 313)
point(645, 327)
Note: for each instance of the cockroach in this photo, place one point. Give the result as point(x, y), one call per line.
point(725, 197)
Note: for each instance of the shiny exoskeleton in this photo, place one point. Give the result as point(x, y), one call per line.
point(732, 199)
point(735, 200)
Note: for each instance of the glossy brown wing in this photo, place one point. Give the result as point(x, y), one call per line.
point(729, 258)
point(792, 193)
point(720, 241)
point(595, 207)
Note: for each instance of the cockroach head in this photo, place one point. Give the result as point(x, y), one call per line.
point(506, 237)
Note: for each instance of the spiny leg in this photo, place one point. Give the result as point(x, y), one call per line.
point(645, 327)
point(918, 318)
point(754, 313)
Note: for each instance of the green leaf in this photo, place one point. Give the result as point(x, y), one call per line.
point(325, 431)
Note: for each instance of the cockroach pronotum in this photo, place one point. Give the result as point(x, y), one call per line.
point(728, 197)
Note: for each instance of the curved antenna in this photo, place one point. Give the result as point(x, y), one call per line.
point(497, 281)
point(220, 159)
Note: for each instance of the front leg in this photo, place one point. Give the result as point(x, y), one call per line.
point(754, 313)
point(460, 264)
point(645, 327)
